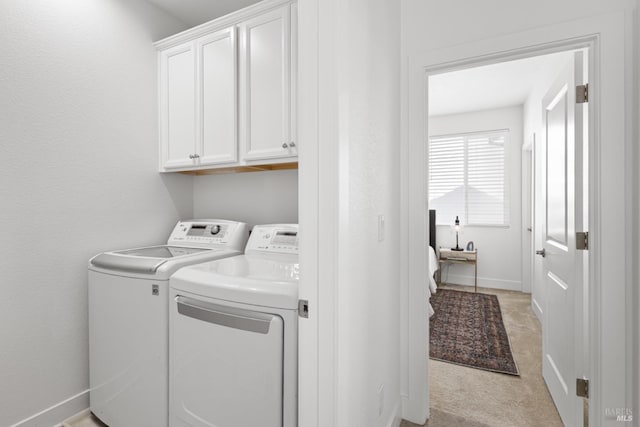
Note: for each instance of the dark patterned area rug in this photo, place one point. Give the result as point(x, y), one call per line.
point(467, 329)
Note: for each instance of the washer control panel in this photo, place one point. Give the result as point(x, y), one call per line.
point(209, 232)
point(279, 238)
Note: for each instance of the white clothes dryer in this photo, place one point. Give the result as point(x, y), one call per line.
point(233, 333)
point(128, 319)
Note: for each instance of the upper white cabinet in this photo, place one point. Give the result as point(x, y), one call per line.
point(266, 86)
point(198, 102)
point(227, 91)
point(217, 97)
point(177, 105)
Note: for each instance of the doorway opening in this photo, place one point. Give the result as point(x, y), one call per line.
point(507, 171)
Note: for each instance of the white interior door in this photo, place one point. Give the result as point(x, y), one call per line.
point(563, 328)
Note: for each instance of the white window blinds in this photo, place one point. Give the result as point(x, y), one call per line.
point(467, 178)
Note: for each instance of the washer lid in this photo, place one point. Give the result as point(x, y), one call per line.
point(144, 260)
point(268, 280)
point(161, 251)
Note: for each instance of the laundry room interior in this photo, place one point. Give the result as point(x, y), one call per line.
point(90, 122)
point(107, 170)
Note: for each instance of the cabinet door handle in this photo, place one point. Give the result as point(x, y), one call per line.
point(196, 156)
point(191, 156)
point(292, 144)
point(285, 145)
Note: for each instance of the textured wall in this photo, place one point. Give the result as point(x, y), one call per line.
point(255, 198)
point(636, 215)
point(428, 25)
point(349, 175)
point(78, 175)
point(368, 382)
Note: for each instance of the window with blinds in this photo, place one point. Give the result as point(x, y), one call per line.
point(467, 178)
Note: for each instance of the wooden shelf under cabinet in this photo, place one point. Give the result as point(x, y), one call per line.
point(242, 169)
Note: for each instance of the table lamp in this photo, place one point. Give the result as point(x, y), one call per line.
point(457, 228)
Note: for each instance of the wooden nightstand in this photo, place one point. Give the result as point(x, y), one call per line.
point(447, 256)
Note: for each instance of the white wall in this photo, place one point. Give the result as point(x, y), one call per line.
point(353, 293)
point(78, 175)
point(490, 26)
point(255, 198)
point(499, 248)
point(427, 25)
point(367, 292)
point(636, 216)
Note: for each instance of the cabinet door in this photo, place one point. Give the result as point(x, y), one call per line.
point(177, 106)
point(266, 85)
point(217, 65)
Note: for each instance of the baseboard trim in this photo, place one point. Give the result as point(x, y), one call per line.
point(409, 411)
point(54, 415)
point(537, 310)
point(395, 418)
point(484, 282)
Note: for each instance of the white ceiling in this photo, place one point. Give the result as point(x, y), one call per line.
point(196, 12)
point(492, 86)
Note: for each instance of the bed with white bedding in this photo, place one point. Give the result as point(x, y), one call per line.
point(434, 265)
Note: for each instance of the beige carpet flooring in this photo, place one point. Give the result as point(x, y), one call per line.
point(85, 419)
point(462, 396)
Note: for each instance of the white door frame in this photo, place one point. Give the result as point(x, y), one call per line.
point(610, 340)
point(526, 154)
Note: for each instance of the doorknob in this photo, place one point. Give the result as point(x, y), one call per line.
point(542, 252)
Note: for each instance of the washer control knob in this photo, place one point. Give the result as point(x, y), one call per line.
point(215, 229)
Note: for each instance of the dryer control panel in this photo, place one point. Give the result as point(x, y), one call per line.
point(279, 238)
point(204, 233)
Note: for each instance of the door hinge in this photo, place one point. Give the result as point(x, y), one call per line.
point(582, 240)
point(582, 93)
point(303, 308)
point(582, 387)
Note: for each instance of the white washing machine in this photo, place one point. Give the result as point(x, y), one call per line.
point(128, 319)
point(233, 333)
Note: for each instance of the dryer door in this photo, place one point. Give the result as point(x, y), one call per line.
point(225, 365)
